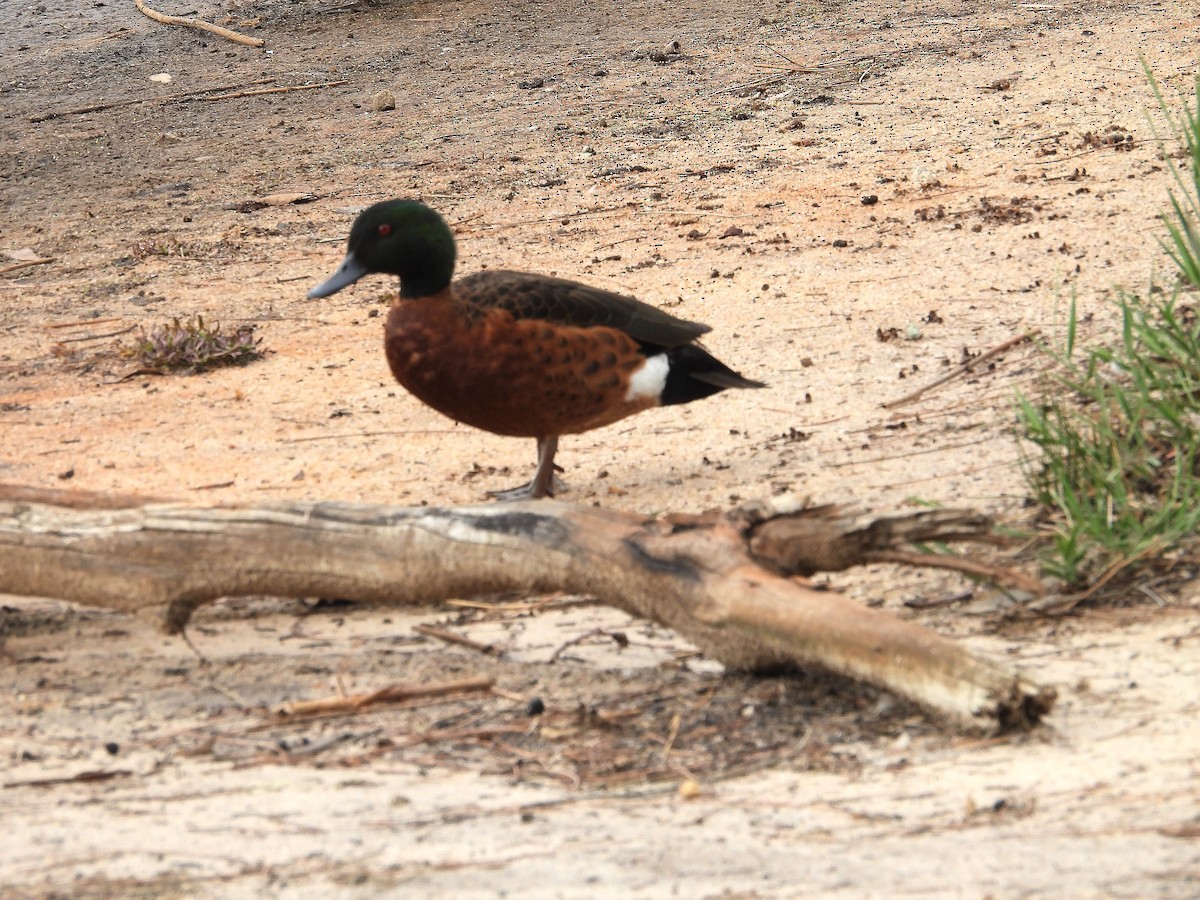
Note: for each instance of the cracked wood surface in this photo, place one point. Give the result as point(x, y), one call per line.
point(697, 578)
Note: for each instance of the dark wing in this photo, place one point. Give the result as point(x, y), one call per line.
point(558, 300)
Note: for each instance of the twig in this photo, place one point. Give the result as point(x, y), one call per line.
point(137, 373)
point(964, 368)
point(895, 456)
point(321, 746)
point(97, 337)
point(510, 695)
point(961, 473)
point(766, 81)
point(187, 639)
point(88, 43)
point(578, 639)
point(1153, 594)
point(995, 574)
point(278, 90)
point(91, 107)
point(282, 720)
point(170, 98)
point(79, 322)
point(553, 602)
point(81, 778)
point(196, 23)
point(1061, 605)
point(938, 602)
point(391, 694)
point(450, 637)
point(1046, 137)
point(468, 220)
point(26, 263)
point(230, 693)
point(1050, 160)
point(795, 66)
point(541, 220)
point(216, 485)
point(434, 735)
point(669, 743)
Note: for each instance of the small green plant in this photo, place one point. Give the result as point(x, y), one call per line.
point(194, 346)
point(1184, 244)
point(1110, 447)
point(1115, 443)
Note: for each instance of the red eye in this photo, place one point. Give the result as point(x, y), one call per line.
point(385, 229)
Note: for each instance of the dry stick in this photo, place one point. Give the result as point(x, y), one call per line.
point(457, 734)
point(428, 737)
point(578, 639)
point(91, 107)
point(541, 220)
point(196, 23)
point(92, 42)
point(328, 743)
point(964, 368)
point(961, 473)
point(283, 720)
point(1061, 605)
point(81, 778)
point(792, 64)
point(450, 637)
point(170, 98)
point(277, 90)
point(773, 78)
point(554, 603)
point(938, 602)
point(1049, 160)
point(669, 743)
point(391, 694)
point(942, 448)
point(719, 584)
point(970, 405)
point(996, 574)
point(229, 692)
point(78, 322)
point(97, 337)
point(26, 263)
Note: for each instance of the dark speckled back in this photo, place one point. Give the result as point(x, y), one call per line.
point(570, 303)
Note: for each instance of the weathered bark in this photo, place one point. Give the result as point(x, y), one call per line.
point(698, 575)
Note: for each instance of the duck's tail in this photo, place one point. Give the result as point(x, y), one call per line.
point(693, 373)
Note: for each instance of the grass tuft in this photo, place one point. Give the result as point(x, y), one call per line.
point(1110, 445)
point(194, 346)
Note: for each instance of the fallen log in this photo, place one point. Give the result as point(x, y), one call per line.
point(721, 579)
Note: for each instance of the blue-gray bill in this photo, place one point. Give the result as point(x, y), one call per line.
point(347, 273)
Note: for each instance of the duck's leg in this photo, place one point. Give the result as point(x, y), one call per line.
point(544, 484)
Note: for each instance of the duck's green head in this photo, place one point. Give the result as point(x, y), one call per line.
point(400, 237)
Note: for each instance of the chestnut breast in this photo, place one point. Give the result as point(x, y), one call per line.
point(522, 377)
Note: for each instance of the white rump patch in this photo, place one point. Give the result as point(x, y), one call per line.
point(648, 381)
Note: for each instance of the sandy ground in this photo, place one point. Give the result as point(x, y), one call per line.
point(853, 195)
